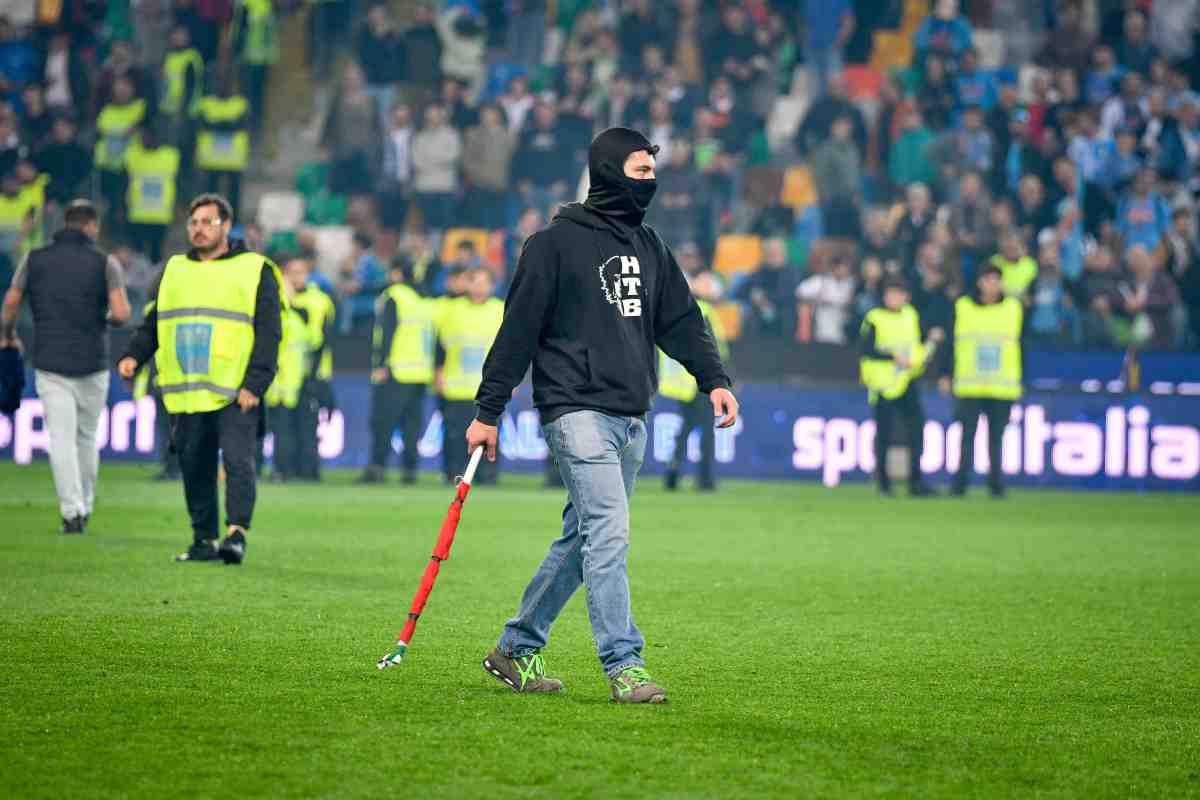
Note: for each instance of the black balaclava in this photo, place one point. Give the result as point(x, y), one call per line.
point(612, 193)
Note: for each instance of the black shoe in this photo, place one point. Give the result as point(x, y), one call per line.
point(922, 490)
point(200, 551)
point(233, 548)
point(164, 476)
point(408, 479)
point(997, 492)
point(958, 490)
point(370, 475)
point(706, 486)
point(72, 525)
point(886, 491)
point(671, 480)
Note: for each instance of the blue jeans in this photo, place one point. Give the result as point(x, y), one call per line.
point(598, 456)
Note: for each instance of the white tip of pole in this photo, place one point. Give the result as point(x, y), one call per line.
point(473, 465)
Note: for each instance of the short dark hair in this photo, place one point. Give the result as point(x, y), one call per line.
point(80, 213)
point(894, 282)
point(224, 210)
point(989, 269)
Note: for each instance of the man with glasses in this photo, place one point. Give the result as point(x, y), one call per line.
point(214, 332)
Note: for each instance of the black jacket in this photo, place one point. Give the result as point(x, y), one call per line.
point(268, 329)
point(67, 287)
point(591, 300)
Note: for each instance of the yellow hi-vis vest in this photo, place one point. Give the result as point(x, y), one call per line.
point(260, 39)
point(1015, 275)
point(466, 331)
point(223, 145)
point(151, 194)
point(987, 349)
point(674, 381)
point(114, 128)
point(410, 354)
point(206, 329)
point(896, 333)
point(34, 193)
point(14, 211)
point(320, 308)
point(174, 75)
point(293, 362)
point(141, 381)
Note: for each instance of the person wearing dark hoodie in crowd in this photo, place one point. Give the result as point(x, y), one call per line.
point(593, 295)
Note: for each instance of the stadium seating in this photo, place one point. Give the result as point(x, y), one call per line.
point(280, 211)
point(799, 190)
point(476, 236)
point(862, 82)
point(730, 315)
point(990, 45)
point(893, 50)
point(334, 243)
point(737, 253)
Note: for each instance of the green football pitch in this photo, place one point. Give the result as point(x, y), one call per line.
point(815, 643)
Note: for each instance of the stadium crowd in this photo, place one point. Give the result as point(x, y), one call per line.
point(810, 148)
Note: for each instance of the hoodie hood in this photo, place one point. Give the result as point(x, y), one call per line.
point(583, 214)
point(611, 192)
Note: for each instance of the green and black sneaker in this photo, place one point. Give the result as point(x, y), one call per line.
point(634, 685)
point(521, 674)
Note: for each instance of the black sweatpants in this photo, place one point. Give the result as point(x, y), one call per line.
point(457, 416)
point(308, 459)
point(967, 411)
point(198, 439)
point(282, 422)
point(908, 408)
point(696, 414)
point(396, 405)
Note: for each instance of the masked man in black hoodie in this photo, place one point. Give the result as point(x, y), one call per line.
point(594, 294)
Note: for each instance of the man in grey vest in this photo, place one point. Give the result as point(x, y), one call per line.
point(74, 290)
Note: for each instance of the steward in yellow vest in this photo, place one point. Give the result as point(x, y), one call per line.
point(116, 126)
point(182, 77)
point(256, 41)
point(283, 395)
point(892, 358)
point(17, 217)
point(402, 361)
point(466, 327)
point(986, 358)
point(33, 188)
point(694, 408)
point(222, 141)
point(316, 391)
point(1017, 270)
point(152, 170)
point(214, 332)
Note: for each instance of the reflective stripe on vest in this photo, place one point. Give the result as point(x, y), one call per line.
point(114, 128)
point(152, 174)
point(222, 144)
point(466, 331)
point(896, 333)
point(987, 349)
point(410, 355)
point(320, 308)
point(293, 363)
point(260, 39)
point(205, 329)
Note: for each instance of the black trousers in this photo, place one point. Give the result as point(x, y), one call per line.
point(233, 180)
point(282, 422)
point(457, 416)
point(148, 239)
point(308, 459)
point(906, 407)
point(168, 459)
point(199, 438)
point(967, 411)
point(396, 405)
point(696, 414)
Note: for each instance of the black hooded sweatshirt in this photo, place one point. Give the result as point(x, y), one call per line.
point(593, 295)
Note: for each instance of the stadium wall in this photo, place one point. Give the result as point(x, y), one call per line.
point(1062, 440)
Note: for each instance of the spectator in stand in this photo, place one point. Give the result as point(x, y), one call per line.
point(1143, 215)
point(973, 143)
point(945, 32)
point(380, 49)
point(715, 163)
point(971, 224)
point(1100, 296)
point(937, 98)
point(1126, 162)
point(916, 220)
point(868, 294)
point(818, 121)
point(1091, 199)
point(1180, 255)
point(1051, 321)
point(487, 165)
point(837, 172)
point(973, 86)
point(932, 294)
point(577, 105)
point(361, 277)
point(18, 61)
point(459, 113)
point(661, 128)
point(690, 26)
point(733, 122)
point(1017, 269)
point(1103, 80)
point(396, 173)
point(422, 56)
point(464, 47)
point(66, 161)
point(543, 166)
point(679, 211)
point(880, 244)
point(1031, 212)
point(768, 294)
point(529, 222)
point(122, 64)
point(352, 135)
point(1151, 300)
point(1124, 110)
point(828, 25)
point(1091, 150)
point(999, 120)
point(516, 102)
point(681, 97)
point(731, 48)
point(36, 118)
point(526, 31)
point(909, 161)
point(830, 295)
point(1069, 45)
point(437, 154)
point(1136, 52)
point(639, 26)
point(1173, 26)
point(64, 75)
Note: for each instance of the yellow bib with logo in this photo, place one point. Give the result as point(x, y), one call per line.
point(466, 331)
point(410, 354)
point(896, 333)
point(987, 349)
